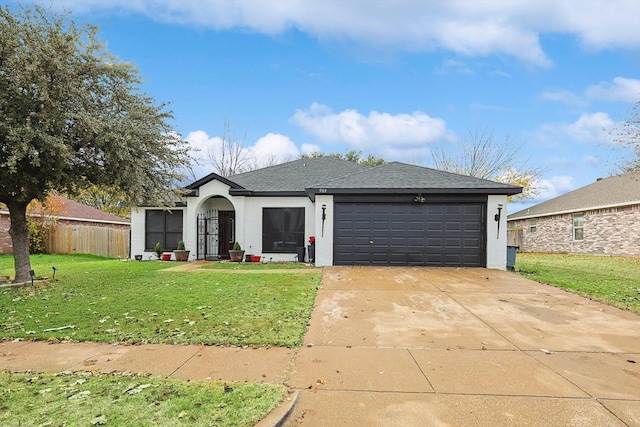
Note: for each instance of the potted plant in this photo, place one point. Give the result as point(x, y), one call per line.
point(236, 254)
point(181, 253)
point(158, 250)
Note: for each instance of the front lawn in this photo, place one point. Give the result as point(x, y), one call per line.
point(614, 280)
point(87, 399)
point(107, 300)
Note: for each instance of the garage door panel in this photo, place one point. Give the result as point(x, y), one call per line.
point(442, 234)
point(453, 243)
point(434, 226)
point(472, 226)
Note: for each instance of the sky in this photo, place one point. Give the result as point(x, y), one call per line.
point(392, 78)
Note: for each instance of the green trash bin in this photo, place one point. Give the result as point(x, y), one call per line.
point(511, 257)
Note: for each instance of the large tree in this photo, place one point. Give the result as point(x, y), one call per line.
point(72, 115)
point(481, 156)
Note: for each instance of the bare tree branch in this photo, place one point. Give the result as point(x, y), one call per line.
point(230, 157)
point(481, 156)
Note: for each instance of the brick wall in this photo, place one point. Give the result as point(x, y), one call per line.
point(614, 231)
point(5, 238)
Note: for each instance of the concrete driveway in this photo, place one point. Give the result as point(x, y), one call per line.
point(463, 347)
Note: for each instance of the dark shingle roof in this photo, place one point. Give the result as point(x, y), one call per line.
point(330, 173)
point(613, 191)
point(296, 175)
point(396, 175)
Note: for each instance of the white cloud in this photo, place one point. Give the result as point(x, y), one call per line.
point(564, 96)
point(470, 28)
point(273, 148)
point(269, 149)
point(590, 128)
point(310, 149)
point(383, 133)
point(621, 89)
point(555, 186)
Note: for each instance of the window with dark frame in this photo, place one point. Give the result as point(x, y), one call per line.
point(164, 227)
point(578, 226)
point(282, 230)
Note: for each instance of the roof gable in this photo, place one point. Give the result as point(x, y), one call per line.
point(616, 190)
point(212, 176)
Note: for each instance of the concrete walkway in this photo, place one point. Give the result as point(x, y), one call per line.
point(416, 347)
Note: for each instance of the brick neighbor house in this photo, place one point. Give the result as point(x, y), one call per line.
point(78, 229)
point(602, 218)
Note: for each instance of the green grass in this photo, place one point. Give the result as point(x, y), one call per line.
point(255, 266)
point(86, 399)
point(106, 300)
point(614, 280)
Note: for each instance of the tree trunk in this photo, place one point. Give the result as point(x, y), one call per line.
point(19, 232)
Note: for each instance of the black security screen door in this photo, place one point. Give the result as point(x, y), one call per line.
point(282, 230)
point(216, 234)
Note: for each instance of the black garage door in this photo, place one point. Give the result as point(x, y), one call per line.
point(431, 234)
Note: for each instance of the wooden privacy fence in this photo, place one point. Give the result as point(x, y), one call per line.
point(85, 239)
point(515, 237)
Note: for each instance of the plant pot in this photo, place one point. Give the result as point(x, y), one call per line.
point(236, 256)
point(166, 257)
point(181, 255)
point(255, 258)
point(312, 253)
point(300, 250)
point(247, 258)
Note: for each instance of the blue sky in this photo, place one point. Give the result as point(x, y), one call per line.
point(390, 78)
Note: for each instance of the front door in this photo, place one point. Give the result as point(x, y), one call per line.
point(216, 234)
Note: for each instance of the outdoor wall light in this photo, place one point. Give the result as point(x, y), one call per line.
point(497, 218)
point(324, 217)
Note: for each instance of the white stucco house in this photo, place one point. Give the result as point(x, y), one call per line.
point(392, 214)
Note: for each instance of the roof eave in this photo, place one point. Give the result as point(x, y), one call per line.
point(176, 205)
point(573, 210)
point(493, 191)
point(245, 192)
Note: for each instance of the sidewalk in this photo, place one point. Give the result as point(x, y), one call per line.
point(182, 362)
